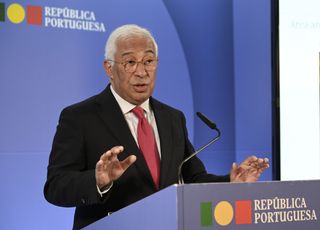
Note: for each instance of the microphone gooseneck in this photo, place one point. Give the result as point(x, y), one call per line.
point(212, 126)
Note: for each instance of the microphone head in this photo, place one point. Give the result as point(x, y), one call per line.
point(207, 121)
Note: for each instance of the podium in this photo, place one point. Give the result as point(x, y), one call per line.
point(293, 205)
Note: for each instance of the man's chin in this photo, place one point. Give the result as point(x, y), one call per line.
point(141, 97)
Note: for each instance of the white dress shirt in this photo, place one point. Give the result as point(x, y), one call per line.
point(132, 120)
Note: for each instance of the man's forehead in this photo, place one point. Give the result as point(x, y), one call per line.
point(134, 44)
point(128, 53)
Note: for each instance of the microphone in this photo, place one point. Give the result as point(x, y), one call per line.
point(207, 121)
point(211, 125)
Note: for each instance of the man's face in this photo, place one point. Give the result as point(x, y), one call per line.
point(137, 86)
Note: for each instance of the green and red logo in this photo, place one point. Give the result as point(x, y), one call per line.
point(17, 14)
point(223, 213)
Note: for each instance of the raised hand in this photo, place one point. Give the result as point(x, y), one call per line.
point(249, 170)
point(109, 168)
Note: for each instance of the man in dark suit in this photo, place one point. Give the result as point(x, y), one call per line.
point(98, 163)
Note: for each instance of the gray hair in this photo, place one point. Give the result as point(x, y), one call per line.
point(124, 32)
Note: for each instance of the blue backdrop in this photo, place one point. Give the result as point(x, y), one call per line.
point(215, 57)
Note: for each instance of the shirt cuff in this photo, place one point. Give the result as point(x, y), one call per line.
point(104, 190)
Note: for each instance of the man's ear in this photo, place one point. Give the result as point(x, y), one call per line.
point(108, 68)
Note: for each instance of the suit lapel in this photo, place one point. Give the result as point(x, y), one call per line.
point(111, 114)
point(166, 140)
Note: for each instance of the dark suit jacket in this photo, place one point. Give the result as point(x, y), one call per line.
point(88, 129)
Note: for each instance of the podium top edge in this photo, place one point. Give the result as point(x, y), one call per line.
point(257, 182)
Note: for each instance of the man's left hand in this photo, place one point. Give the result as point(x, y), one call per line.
point(249, 170)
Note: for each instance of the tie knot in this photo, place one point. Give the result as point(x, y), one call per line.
point(138, 111)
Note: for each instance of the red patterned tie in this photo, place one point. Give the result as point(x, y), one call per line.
point(148, 145)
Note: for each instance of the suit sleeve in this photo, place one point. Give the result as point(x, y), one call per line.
point(194, 171)
point(69, 182)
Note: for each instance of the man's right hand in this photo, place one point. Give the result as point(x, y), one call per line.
point(109, 168)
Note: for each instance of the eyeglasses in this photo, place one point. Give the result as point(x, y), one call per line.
point(130, 66)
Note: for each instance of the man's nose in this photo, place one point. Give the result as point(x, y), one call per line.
point(140, 70)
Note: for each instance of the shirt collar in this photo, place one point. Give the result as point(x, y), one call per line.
point(126, 106)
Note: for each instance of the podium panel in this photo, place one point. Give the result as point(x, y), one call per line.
point(288, 205)
point(293, 205)
point(156, 212)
